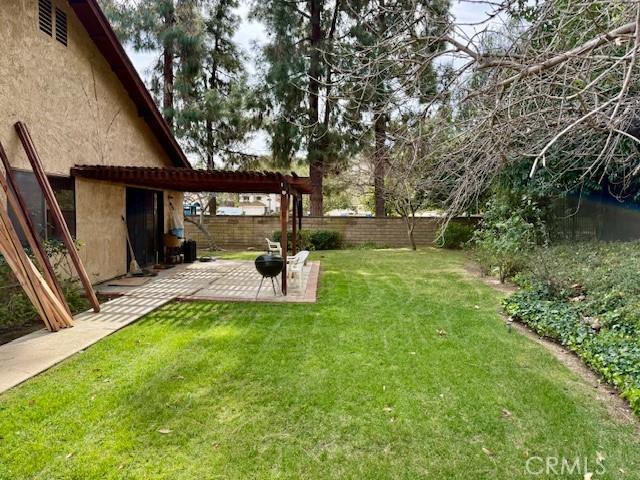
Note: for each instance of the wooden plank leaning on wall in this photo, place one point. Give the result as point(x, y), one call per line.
point(52, 310)
point(56, 213)
point(19, 206)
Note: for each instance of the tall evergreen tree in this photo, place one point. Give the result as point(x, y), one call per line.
point(173, 28)
point(200, 78)
point(385, 42)
point(222, 114)
point(298, 83)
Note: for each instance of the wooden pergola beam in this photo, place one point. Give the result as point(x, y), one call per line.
point(186, 180)
point(294, 225)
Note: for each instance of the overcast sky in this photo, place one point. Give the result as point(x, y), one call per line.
point(252, 34)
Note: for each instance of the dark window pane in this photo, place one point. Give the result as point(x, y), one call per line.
point(30, 190)
point(64, 190)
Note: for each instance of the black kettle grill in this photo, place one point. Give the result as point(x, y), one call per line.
point(269, 266)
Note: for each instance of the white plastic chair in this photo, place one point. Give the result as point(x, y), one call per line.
point(273, 247)
point(295, 266)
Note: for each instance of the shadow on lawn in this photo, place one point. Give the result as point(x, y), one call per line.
point(215, 366)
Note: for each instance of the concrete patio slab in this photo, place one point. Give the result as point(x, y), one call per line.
point(242, 285)
point(222, 280)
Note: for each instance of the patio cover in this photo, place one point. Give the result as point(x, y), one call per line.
point(289, 187)
point(188, 180)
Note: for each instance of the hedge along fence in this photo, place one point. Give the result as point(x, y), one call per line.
point(242, 232)
point(312, 239)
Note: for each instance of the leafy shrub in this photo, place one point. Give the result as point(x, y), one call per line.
point(15, 307)
point(326, 240)
point(456, 235)
point(508, 232)
point(587, 297)
point(313, 239)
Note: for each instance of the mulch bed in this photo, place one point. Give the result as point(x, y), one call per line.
point(9, 334)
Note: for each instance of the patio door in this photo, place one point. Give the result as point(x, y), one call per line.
point(145, 222)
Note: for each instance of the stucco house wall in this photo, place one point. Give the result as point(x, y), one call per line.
point(78, 112)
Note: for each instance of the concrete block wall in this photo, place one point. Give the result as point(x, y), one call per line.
point(242, 232)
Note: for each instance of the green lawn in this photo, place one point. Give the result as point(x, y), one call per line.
point(403, 369)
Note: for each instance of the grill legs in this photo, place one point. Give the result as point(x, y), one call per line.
point(273, 285)
point(260, 287)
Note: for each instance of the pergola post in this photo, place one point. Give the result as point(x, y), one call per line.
point(294, 225)
point(284, 234)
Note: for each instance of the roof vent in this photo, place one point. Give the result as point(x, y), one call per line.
point(44, 16)
point(61, 26)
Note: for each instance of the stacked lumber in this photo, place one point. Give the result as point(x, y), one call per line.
point(51, 309)
point(44, 292)
point(21, 212)
point(54, 209)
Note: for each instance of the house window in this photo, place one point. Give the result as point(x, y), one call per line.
point(258, 198)
point(245, 198)
point(64, 191)
point(61, 27)
point(45, 16)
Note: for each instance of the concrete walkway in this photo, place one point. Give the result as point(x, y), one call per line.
point(36, 352)
point(222, 280)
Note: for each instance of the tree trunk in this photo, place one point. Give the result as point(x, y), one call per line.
point(210, 141)
point(210, 157)
point(212, 205)
point(213, 85)
point(316, 175)
point(315, 149)
point(168, 56)
point(410, 222)
point(211, 244)
point(379, 165)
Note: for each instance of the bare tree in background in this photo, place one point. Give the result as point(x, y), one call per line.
point(204, 199)
point(403, 183)
point(413, 153)
point(555, 84)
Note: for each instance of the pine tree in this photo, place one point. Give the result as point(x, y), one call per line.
point(170, 27)
point(386, 39)
point(199, 79)
point(298, 82)
point(226, 103)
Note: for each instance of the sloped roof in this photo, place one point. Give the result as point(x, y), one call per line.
point(191, 180)
point(98, 28)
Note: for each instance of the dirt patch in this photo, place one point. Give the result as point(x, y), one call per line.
point(617, 407)
point(9, 334)
point(472, 270)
